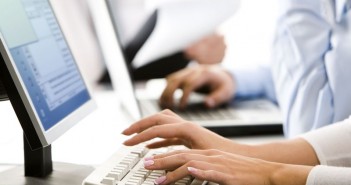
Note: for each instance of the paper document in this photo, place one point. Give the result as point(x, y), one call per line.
point(181, 23)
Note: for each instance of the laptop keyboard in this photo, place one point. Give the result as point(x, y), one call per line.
point(126, 167)
point(199, 112)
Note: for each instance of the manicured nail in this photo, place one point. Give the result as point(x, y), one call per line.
point(149, 158)
point(192, 170)
point(149, 163)
point(160, 180)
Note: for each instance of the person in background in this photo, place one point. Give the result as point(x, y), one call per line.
point(308, 75)
point(320, 157)
point(78, 27)
point(133, 19)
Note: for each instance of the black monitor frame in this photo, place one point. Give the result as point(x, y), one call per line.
point(37, 159)
point(17, 104)
point(3, 94)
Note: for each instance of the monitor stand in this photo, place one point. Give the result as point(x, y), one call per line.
point(39, 169)
point(37, 163)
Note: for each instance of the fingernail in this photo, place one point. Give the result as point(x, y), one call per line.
point(160, 180)
point(149, 163)
point(149, 158)
point(192, 170)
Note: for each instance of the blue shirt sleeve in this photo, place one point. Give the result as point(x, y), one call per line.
point(254, 83)
point(311, 64)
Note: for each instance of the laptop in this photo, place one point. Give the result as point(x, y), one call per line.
point(240, 117)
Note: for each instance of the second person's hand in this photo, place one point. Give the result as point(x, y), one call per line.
point(209, 50)
point(220, 82)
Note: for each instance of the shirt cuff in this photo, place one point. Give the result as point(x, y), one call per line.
point(325, 175)
point(254, 83)
point(330, 144)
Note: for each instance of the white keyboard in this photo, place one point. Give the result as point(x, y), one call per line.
point(126, 167)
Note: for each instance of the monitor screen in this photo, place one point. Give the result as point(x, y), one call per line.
point(42, 61)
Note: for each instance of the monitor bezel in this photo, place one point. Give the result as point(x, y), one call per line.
point(108, 37)
point(3, 94)
point(18, 94)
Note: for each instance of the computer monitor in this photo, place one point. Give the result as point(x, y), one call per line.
point(42, 68)
point(39, 71)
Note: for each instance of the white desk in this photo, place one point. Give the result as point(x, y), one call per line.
point(90, 142)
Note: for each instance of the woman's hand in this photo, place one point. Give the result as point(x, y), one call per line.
point(225, 168)
point(220, 82)
point(175, 131)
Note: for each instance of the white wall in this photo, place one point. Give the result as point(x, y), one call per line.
point(249, 33)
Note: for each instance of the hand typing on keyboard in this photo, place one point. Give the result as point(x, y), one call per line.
point(212, 159)
point(210, 165)
point(208, 158)
point(175, 131)
point(221, 86)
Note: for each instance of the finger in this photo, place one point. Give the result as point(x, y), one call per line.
point(174, 161)
point(219, 96)
point(159, 131)
point(156, 119)
point(183, 171)
point(210, 152)
point(174, 81)
point(170, 113)
point(176, 152)
point(165, 143)
point(191, 84)
point(210, 175)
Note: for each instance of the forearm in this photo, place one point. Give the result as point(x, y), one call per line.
point(287, 162)
point(297, 151)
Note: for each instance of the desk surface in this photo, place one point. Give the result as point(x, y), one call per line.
point(90, 142)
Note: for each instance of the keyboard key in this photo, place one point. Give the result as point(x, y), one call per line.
point(180, 183)
point(132, 182)
point(198, 182)
point(140, 151)
point(113, 175)
point(148, 183)
point(108, 181)
point(137, 179)
point(126, 168)
point(212, 183)
point(144, 174)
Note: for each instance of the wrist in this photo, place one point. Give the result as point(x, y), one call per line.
point(289, 174)
point(242, 149)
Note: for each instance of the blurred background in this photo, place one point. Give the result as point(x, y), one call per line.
point(249, 33)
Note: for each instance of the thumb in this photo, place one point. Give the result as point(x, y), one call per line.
point(218, 97)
